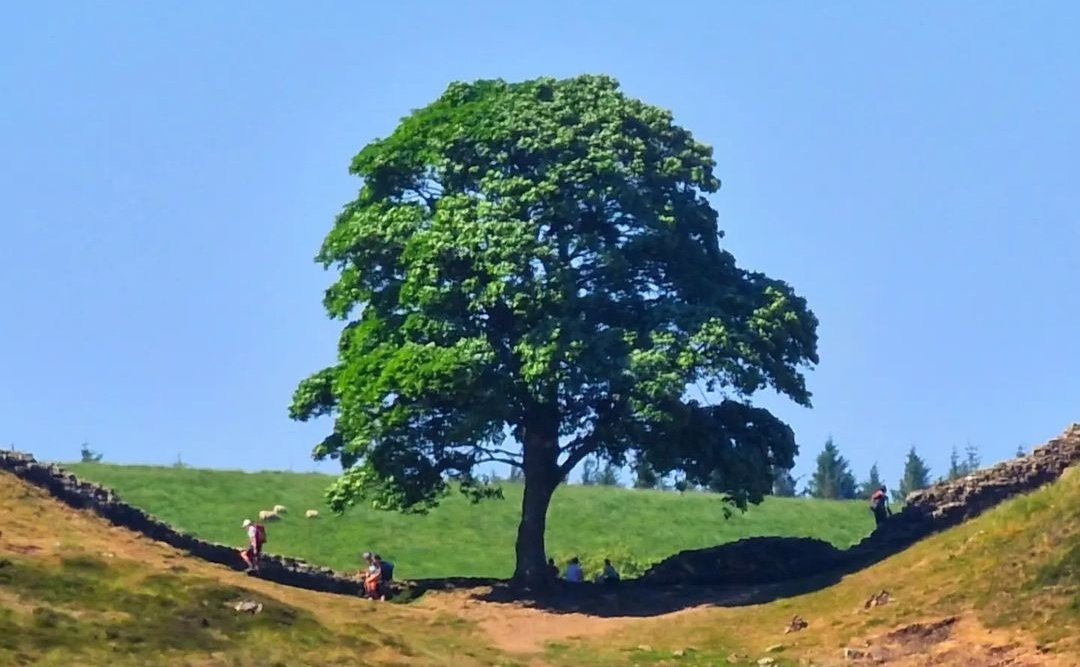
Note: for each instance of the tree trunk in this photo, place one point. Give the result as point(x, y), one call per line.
point(541, 479)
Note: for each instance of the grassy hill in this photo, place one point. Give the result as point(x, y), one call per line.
point(77, 591)
point(633, 527)
point(1009, 580)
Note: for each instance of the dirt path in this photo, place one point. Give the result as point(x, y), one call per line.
point(517, 628)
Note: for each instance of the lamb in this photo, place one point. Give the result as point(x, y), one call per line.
point(280, 509)
point(312, 514)
point(268, 515)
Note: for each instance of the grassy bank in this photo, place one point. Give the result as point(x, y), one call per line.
point(634, 527)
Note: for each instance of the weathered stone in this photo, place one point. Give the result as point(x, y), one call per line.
point(247, 607)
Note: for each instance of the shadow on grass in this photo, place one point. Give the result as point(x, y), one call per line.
point(645, 598)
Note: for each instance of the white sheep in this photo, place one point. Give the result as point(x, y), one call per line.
point(268, 515)
point(280, 509)
point(312, 514)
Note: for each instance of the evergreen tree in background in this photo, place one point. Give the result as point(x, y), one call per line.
point(645, 476)
point(872, 483)
point(589, 471)
point(972, 460)
point(916, 476)
point(516, 475)
point(608, 475)
point(783, 484)
point(87, 455)
point(832, 478)
point(956, 468)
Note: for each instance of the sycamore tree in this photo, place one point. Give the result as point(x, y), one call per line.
point(531, 274)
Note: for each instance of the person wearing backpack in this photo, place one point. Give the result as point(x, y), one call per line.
point(879, 505)
point(256, 533)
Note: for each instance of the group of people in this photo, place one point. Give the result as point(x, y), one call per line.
point(575, 575)
point(377, 575)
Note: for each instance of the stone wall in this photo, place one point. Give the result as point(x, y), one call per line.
point(69, 489)
point(750, 561)
point(767, 560)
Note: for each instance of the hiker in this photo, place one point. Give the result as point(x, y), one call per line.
point(879, 505)
point(609, 575)
point(573, 572)
point(253, 551)
point(372, 577)
point(553, 569)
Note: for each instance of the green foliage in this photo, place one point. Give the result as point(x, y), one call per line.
point(87, 455)
point(872, 483)
point(454, 539)
point(832, 478)
point(916, 476)
point(783, 483)
point(539, 259)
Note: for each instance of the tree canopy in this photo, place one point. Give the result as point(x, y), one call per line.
point(872, 483)
point(531, 274)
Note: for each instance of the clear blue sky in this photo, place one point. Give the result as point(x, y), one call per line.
point(168, 170)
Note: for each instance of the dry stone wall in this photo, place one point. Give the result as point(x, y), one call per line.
point(751, 561)
point(774, 559)
point(79, 494)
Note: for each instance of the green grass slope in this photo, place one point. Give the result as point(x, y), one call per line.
point(75, 591)
point(1012, 576)
point(633, 527)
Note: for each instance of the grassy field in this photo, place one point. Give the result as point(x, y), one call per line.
point(77, 591)
point(633, 527)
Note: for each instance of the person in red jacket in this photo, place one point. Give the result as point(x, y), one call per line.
point(879, 505)
point(253, 551)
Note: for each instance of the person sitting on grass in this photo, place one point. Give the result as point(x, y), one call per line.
point(386, 575)
point(609, 575)
point(253, 551)
point(372, 578)
point(573, 573)
point(553, 569)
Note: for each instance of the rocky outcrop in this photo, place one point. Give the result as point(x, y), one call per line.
point(79, 494)
point(774, 559)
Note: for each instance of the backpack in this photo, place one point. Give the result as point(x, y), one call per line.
point(387, 572)
point(260, 534)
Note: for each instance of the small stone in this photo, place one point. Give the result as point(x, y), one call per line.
point(765, 662)
point(678, 653)
point(644, 647)
point(854, 654)
point(248, 607)
point(775, 648)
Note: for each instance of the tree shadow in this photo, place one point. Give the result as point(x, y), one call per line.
point(641, 598)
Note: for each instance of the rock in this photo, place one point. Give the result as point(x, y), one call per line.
point(775, 648)
point(247, 607)
point(765, 662)
point(644, 647)
point(678, 653)
point(854, 654)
